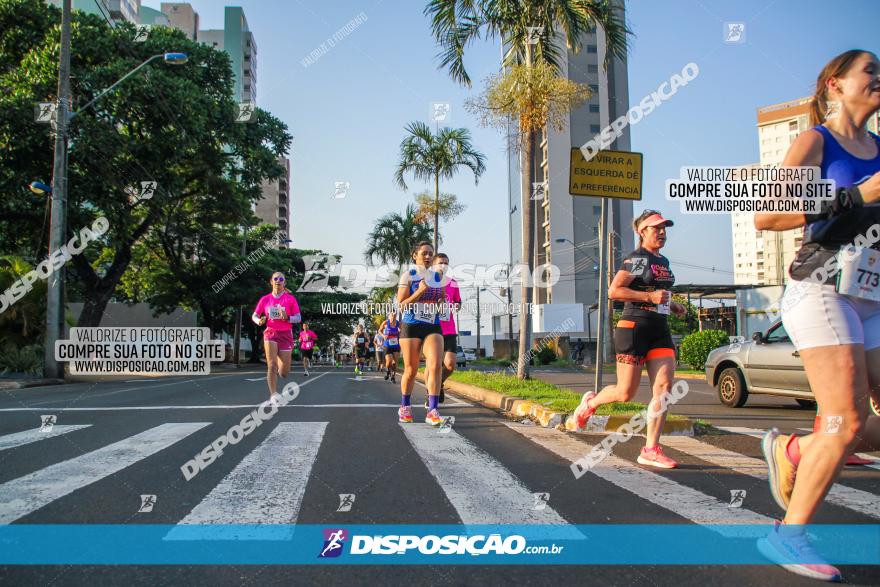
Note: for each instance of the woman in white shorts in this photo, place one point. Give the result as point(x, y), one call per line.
point(830, 308)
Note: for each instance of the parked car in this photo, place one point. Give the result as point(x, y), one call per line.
point(470, 354)
point(768, 364)
point(460, 357)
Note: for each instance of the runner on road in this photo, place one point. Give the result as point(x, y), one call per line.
point(378, 341)
point(390, 330)
point(420, 293)
point(360, 340)
point(279, 310)
point(307, 339)
point(642, 335)
point(830, 314)
point(447, 322)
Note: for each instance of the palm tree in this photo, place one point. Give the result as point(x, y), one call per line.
point(394, 236)
point(428, 156)
point(456, 23)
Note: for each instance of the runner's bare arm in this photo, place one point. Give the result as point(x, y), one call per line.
point(619, 289)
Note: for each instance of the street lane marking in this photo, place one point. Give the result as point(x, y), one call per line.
point(27, 494)
point(35, 434)
point(680, 499)
point(220, 407)
point(857, 500)
point(257, 379)
point(481, 489)
point(266, 487)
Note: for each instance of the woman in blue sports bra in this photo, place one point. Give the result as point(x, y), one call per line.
point(420, 292)
point(831, 306)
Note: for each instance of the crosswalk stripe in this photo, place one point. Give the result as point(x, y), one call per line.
point(680, 499)
point(27, 494)
point(841, 495)
point(266, 487)
point(481, 489)
point(757, 433)
point(36, 434)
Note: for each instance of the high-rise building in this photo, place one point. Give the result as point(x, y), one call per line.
point(152, 17)
point(748, 248)
point(181, 16)
point(238, 41)
point(559, 215)
point(274, 207)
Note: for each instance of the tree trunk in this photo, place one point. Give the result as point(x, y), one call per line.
point(528, 255)
point(436, 210)
point(93, 307)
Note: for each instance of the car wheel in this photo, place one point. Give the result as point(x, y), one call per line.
point(732, 388)
point(806, 403)
point(875, 407)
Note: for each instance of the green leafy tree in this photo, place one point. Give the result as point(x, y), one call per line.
point(393, 237)
point(172, 125)
point(529, 30)
point(430, 157)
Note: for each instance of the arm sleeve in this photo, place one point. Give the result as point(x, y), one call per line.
point(261, 307)
point(255, 318)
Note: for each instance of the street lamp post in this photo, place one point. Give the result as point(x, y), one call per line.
point(58, 216)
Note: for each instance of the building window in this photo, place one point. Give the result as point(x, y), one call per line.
point(594, 88)
point(594, 108)
point(592, 49)
point(793, 125)
point(597, 210)
point(595, 128)
point(592, 68)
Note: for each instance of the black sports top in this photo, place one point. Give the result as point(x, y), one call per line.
point(651, 272)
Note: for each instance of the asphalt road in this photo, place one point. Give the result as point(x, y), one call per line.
point(110, 443)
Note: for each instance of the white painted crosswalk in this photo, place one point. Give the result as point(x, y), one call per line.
point(24, 495)
point(267, 485)
point(36, 434)
point(680, 499)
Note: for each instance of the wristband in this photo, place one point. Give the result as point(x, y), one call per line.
point(846, 199)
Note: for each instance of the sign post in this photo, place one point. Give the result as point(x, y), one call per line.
point(607, 175)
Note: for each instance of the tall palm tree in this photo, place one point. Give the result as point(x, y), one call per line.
point(456, 23)
point(394, 236)
point(428, 156)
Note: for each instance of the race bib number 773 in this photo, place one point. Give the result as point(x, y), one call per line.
point(859, 274)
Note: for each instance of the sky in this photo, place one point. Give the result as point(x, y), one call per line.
point(347, 110)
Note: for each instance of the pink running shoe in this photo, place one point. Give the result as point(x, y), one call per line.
point(789, 547)
point(583, 412)
point(404, 414)
point(654, 457)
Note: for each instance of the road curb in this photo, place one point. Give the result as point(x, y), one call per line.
point(549, 418)
point(22, 383)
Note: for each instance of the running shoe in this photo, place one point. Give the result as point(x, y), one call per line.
point(433, 418)
point(654, 457)
point(791, 549)
point(392, 379)
point(306, 373)
point(781, 471)
point(404, 414)
point(387, 375)
point(275, 399)
point(583, 412)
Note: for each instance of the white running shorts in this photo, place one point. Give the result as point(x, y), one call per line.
point(816, 315)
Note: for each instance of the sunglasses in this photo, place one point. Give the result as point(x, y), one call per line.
point(277, 279)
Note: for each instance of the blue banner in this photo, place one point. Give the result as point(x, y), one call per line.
point(671, 544)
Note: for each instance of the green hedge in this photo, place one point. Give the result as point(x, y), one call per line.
point(695, 348)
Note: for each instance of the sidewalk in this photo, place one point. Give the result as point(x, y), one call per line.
point(19, 381)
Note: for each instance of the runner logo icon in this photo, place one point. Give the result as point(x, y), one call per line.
point(334, 540)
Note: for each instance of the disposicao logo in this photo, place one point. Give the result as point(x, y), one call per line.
point(334, 540)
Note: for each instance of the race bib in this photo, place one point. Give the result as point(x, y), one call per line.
point(392, 341)
point(859, 274)
point(274, 312)
point(425, 312)
point(307, 344)
point(445, 311)
point(663, 308)
point(360, 340)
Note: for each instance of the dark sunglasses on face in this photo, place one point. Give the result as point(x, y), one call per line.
point(277, 279)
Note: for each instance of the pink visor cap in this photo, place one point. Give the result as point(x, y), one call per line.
point(654, 220)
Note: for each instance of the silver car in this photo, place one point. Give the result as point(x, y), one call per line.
point(768, 364)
